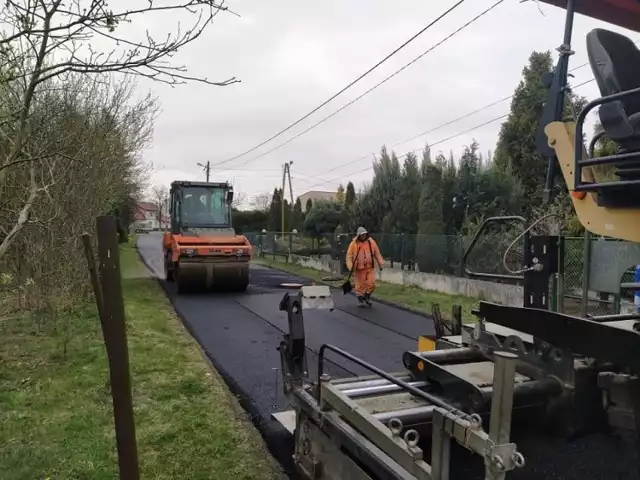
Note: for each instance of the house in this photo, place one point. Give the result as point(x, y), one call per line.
point(316, 195)
point(146, 215)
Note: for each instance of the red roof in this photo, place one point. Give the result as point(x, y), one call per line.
point(141, 208)
point(151, 207)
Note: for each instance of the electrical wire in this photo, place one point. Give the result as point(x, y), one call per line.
point(475, 127)
point(427, 27)
point(333, 180)
point(455, 120)
point(535, 266)
point(440, 126)
point(368, 91)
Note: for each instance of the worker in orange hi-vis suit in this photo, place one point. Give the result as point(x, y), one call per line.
point(362, 254)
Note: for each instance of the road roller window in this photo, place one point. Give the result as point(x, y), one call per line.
point(205, 207)
point(177, 210)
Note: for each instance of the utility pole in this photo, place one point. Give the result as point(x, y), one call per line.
point(207, 168)
point(286, 172)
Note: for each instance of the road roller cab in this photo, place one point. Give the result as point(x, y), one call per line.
point(201, 249)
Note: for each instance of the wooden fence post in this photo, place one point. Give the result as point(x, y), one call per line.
point(115, 338)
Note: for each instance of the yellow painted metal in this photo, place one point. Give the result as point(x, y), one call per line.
point(621, 223)
point(426, 343)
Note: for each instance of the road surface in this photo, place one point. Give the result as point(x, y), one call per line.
point(240, 334)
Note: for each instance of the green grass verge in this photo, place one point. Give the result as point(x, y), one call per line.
point(407, 296)
point(55, 402)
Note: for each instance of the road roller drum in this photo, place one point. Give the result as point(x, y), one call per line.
point(202, 251)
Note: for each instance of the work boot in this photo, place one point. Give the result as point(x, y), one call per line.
point(361, 300)
point(367, 299)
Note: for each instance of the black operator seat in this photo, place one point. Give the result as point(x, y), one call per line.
point(615, 62)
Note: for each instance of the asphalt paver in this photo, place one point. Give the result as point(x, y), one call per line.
point(240, 334)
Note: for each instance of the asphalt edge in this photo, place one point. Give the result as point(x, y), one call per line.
point(281, 453)
point(379, 300)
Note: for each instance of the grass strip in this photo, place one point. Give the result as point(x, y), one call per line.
point(55, 401)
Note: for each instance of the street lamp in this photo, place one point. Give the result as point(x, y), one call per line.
point(207, 168)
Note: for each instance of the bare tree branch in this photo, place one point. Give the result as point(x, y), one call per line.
point(23, 216)
point(261, 202)
point(161, 201)
point(44, 44)
point(238, 199)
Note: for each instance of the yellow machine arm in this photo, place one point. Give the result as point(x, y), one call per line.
point(621, 223)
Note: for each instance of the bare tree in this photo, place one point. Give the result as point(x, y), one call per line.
point(238, 199)
point(161, 201)
point(42, 42)
point(92, 134)
point(261, 202)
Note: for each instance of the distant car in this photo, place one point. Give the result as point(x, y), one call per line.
point(143, 227)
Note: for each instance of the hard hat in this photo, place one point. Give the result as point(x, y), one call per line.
point(361, 231)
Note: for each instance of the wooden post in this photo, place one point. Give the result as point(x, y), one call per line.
point(115, 338)
point(437, 320)
point(93, 274)
point(456, 320)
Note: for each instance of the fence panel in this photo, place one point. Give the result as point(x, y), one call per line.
point(443, 254)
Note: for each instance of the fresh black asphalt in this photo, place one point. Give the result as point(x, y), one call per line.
point(240, 334)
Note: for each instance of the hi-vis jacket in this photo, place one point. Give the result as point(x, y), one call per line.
point(364, 254)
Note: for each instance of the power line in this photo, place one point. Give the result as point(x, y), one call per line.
point(434, 128)
point(367, 92)
point(439, 142)
point(336, 179)
point(450, 122)
point(438, 127)
point(206, 168)
point(447, 12)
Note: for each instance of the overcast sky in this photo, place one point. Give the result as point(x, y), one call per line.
point(292, 55)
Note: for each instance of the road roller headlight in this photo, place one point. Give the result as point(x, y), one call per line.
point(190, 252)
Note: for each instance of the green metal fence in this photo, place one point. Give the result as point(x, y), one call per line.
point(443, 254)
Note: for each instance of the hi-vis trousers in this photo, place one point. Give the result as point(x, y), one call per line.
point(365, 281)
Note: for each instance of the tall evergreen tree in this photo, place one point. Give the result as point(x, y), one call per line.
point(298, 217)
point(275, 211)
point(308, 205)
point(376, 203)
point(498, 192)
point(516, 146)
point(431, 244)
point(350, 195)
point(449, 189)
point(426, 160)
point(404, 212)
point(466, 185)
point(348, 224)
point(404, 208)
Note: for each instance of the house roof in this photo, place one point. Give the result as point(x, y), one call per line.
point(148, 206)
point(141, 208)
point(318, 194)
